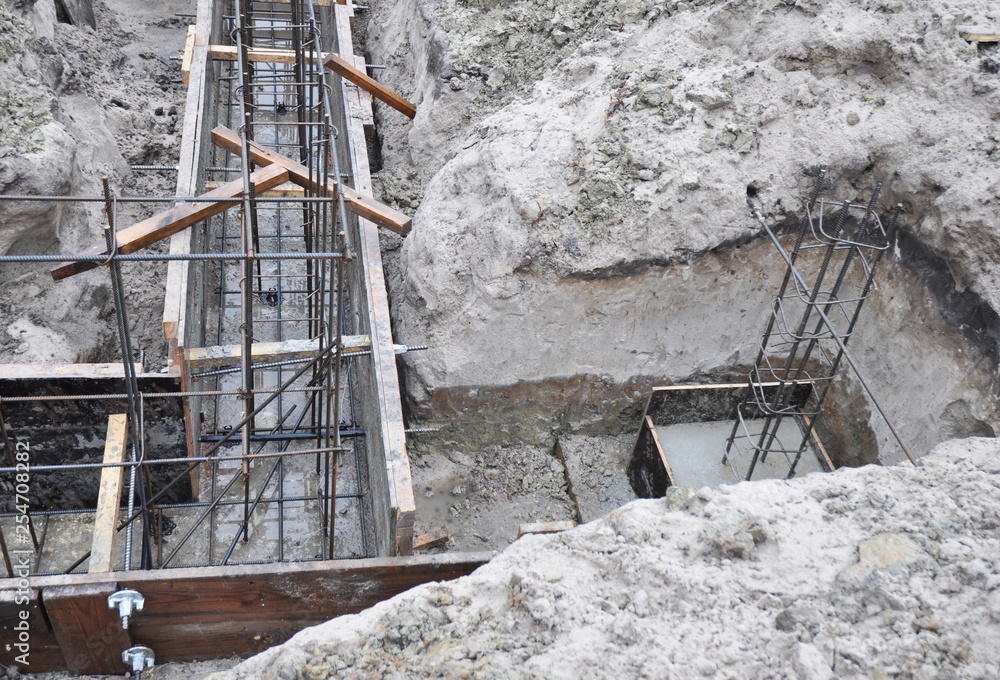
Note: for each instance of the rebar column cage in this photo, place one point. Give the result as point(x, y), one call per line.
point(809, 327)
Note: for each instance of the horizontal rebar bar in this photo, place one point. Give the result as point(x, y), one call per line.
point(273, 364)
point(169, 461)
point(169, 257)
point(181, 506)
point(279, 436)
point(171, 199)
point(151, 395)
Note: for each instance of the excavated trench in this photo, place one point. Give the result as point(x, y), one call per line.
point(927, 350)
point(583, 236)
point(587, 350)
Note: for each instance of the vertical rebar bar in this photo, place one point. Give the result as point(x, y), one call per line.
point(775, 309)
point(890, 232)
point(783, 393)
point(131, 385)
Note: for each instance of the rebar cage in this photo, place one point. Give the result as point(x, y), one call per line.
point(276, 469)
point(810, 324)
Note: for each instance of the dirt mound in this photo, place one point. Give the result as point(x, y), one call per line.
point(75, 104)
point(868, 572)
point(574, 161)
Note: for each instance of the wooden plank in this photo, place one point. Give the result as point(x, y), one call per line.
point(981, 37)
point(545, 528)
point(386, 441)
point(366, 82)
point(318, 3)
point(182, 297)
point(169, 222)
point(206, 612)
point(55, 371)
point(189, 173)
point(671, 481)
point(267, 55)
point(286, 190)
point(102, 546)
point(647, 474)
point(28, 642)
point(431, 539)
point(824, 456)
point(356, 202)
point(79, 12)
point(188, 55)
point(202, 358)
point(90, 634)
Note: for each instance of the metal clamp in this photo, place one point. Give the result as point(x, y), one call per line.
point(126, 601)
point(139, 658)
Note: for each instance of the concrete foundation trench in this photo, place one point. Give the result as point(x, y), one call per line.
point(394, 300)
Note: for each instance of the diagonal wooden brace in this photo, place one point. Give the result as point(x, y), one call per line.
point(169, 222)
point(332, 61)
point(355, 201)
point(366, 82)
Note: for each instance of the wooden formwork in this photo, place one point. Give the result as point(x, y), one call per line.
point(649, 470)
point(388, 462)
point(393, 492)
point(202, 612)
point(207, 612)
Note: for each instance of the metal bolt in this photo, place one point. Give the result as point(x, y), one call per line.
point(139, 658)
point(403, 349)
point(421, 430)
point(126, 601)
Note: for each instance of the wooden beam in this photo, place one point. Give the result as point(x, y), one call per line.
point(825, 457)
point(189, 161)
point(391, 489)
point(55, 371)
point(90, 634)
point(431, 539)
point(102, 547)
point(545, 528)
point(267, 55)
point(366, 82)
point(79, 12)
point(202, 358)
point(659, 448)
point(318, 3)
point(188, 55)
point(169, 222)
point(286, 190)
point(356, 202)
point(981, 37)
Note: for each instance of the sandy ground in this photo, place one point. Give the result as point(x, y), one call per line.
point(873, 572)
point(581, 211)
point(581, 208)
point(571, 199)
point(82, 103)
